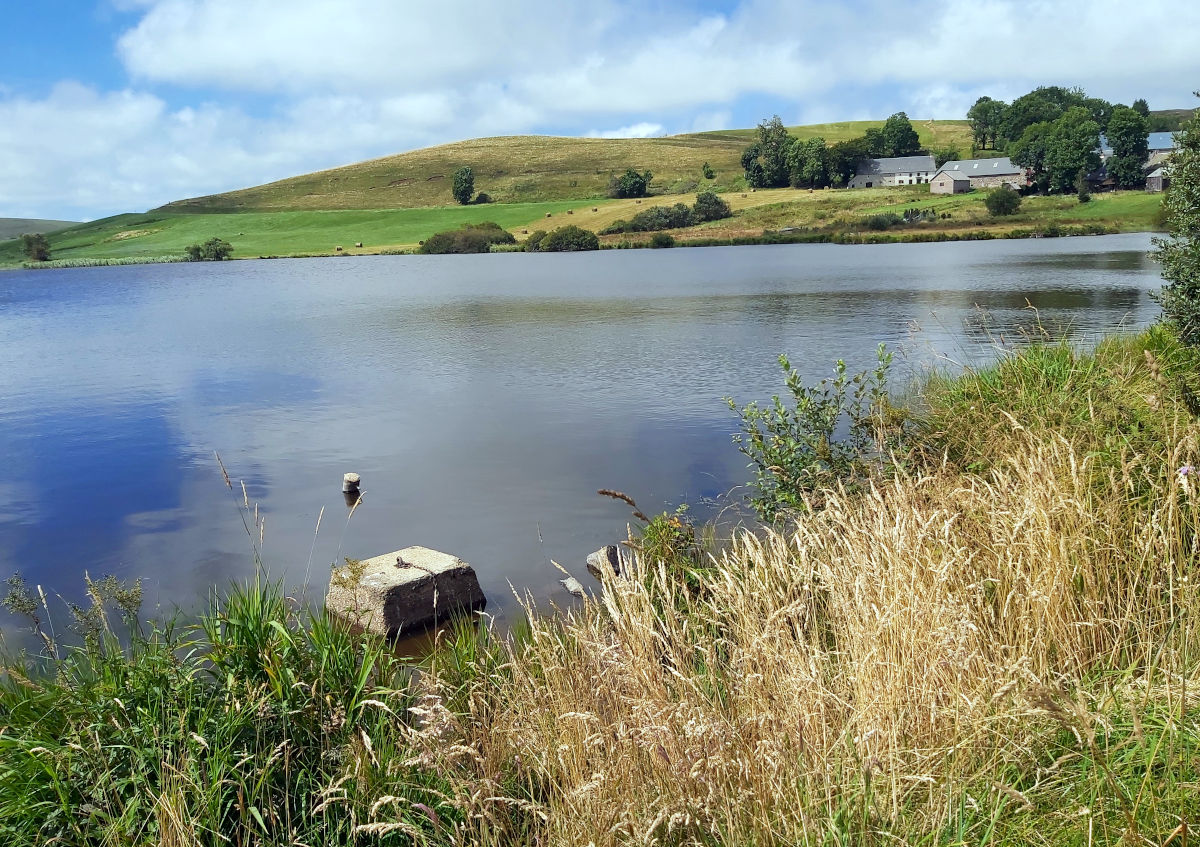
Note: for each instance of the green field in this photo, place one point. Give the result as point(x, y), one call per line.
point(16, 227)
point(255, 234)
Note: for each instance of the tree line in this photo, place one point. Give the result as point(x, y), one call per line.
point(1055, 133)
point(778, 159)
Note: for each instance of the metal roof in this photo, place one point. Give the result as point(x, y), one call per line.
point(999, 166)
point(1161, 141)
point(896, 165)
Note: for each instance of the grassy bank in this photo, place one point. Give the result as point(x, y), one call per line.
point(834, 216)
point(996, 641)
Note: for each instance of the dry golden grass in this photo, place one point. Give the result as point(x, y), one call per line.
point(533, 168)
point(948, 650)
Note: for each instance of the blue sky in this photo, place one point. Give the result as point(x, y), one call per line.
point(122, 105)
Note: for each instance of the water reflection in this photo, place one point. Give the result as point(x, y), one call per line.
point(483, 398)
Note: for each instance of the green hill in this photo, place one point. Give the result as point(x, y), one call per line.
point(16, 227)
point(532, 169)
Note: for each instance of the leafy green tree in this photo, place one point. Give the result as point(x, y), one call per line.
point(808, 163)
point(1141, 107)
point(986, 118)
point(944, 155)
point(766, 160)
point(1029, 151)
point(875, 142)
point(710, 207)
point(1101, 111)
point(899, 137)
point(1002, 201)
point(35, 247)
point(630, 184)
point(1128, 133)
point(213, 250)
point(464, 185)
point(1058, 151)
point(1073, 149)
point(1179, 253)
point(708, 171)
point(843, 159)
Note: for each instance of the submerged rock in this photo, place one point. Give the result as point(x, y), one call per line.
point(404, 591)
point(607, 561)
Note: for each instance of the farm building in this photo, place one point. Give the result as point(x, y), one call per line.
point(1158, 180)
point(901, 170)
point(977, 173)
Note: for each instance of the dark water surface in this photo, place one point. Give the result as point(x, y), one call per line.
point(484, 399)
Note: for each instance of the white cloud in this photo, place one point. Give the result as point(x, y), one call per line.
point(638, 130)
point(348, 79)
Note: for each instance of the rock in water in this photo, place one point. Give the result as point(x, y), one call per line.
point(573, 586)
point(403, 592)
point(606, 560)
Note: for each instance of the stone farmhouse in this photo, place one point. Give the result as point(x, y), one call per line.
point(964, 176)
point(901, 170)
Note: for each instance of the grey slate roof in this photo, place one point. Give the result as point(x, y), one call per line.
point(1156, 172)
point(897, 165)
point(999, 166)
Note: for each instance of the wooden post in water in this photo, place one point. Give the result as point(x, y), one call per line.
point(350, 483)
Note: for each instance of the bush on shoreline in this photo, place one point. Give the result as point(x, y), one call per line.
point(471, 238)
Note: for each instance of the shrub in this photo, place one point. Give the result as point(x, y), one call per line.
point(481, 198)
point(882, 221)
point(534, 241)
point(708, 172)
point(662, 239)
point(213, 250)
point(1083, 191)
point(472, 238)
point(793, 447)
point(618, 226)
point(36, 247)
point(710, 207)
point(630, 184)
point(1002, 201)
point(568, 239)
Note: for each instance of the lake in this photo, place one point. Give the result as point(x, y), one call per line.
point(484, 399)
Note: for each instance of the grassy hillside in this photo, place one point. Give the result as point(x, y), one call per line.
point(16, 227)
point(515, 169)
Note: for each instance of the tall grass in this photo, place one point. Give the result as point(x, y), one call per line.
point(996, 643)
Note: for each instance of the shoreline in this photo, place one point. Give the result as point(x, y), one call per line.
point(768, 237)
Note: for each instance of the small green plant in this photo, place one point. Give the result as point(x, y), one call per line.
point(708, 171)
point(1083, 191)
point(662, 239)
point(833, 433)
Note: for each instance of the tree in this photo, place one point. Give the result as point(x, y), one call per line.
point(944, 155)
point(808, 164)
point(708, 171)
point(36, 247)
point(213, 250)
point(1101, 111)
point(1002, 201)
point(876, 143)
point(1180, 252)
point(464, 185)
point(899, 137)
point(1057, 152)
point(710, 207)
point(843, 159)
point(1128, 132)
point(766, 160)
point(1073, 148)
point(1141, 107)
point(986, 117)
point(630, 184)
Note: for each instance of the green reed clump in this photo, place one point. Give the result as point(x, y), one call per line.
point(262, 721)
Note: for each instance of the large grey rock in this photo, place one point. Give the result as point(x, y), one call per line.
point(404, 591)
point(607, 561)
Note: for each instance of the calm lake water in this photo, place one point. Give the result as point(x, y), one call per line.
point(483, 399)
